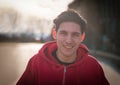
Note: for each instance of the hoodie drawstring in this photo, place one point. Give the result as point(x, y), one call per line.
point(64, 75)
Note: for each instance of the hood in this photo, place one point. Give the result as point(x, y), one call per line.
point(46, 52)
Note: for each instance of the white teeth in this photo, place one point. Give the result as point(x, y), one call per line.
point(68, 46)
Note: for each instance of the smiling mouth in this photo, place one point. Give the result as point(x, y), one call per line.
point(68, 47)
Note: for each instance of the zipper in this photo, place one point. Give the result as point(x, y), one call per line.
point(64, 75)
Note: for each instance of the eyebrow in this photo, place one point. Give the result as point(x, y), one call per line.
point(72, 32)
point(77, 32)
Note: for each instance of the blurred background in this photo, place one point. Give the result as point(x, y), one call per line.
point(25, 25)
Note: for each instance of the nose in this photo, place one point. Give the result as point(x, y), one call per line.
point(69, 39)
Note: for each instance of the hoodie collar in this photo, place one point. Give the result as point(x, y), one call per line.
point(48, 49)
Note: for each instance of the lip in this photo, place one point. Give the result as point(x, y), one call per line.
point(68, 47)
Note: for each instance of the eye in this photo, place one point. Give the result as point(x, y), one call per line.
point(76, 34)
point(63, 33)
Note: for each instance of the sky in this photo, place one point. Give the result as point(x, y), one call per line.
point(38, 7)
point(45, 9)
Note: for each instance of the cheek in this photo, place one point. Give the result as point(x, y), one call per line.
point(60, 38)
point(77, 41)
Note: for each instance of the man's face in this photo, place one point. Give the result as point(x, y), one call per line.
point(68, 38)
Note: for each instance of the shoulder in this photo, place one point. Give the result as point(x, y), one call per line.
point(34, 60)
point(93, 62)
point(92, 59)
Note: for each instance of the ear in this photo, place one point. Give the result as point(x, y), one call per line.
point(82, 37)
point(54, 33)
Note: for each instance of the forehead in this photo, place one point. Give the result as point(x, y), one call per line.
point(69, 26)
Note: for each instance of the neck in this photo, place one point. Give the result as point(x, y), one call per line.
point(66, 59)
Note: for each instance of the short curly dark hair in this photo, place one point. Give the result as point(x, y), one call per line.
point(70, 15)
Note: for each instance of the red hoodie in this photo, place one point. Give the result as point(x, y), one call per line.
point(44, 69)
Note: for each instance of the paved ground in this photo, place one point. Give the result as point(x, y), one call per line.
point(14, 58)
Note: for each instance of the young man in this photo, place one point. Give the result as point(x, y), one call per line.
point(65, 61)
